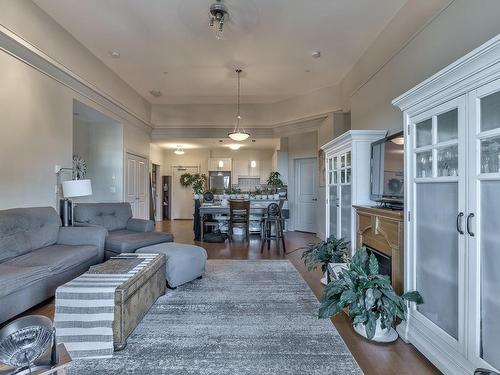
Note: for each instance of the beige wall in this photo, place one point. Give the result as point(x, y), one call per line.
point(253, 115)
point(36, 111)
point(36, 116)
point(461, 27)
point(27, 20)
point(100, 144)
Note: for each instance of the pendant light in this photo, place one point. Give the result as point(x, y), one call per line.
point(238, 134)
point(179, 150)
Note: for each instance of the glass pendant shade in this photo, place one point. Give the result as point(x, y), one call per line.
point(238, 136)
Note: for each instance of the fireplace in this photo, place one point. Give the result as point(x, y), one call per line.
point(384, 261)
point(381, 232)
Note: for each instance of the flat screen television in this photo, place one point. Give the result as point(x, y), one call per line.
point(387, 170)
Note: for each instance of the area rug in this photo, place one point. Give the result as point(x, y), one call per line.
point(244, 317)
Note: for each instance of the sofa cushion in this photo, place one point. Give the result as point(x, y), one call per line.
point(57, 258)
point(126, 241)
point(112, 216)
point(25, 229)
point(14, 278)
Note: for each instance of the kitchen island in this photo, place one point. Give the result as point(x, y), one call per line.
point(220, 213)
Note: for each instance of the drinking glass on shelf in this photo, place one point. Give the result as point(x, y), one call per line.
point(423, 163)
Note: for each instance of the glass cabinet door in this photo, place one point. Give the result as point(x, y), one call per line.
point(438, 155)
point(339, 176)
point(483, 229)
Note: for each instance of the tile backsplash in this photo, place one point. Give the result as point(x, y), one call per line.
point(248, 183)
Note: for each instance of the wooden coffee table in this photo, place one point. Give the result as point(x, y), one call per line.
point(133, 298)
point(137, 281)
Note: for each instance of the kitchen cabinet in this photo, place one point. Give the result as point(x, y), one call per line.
point(220, 164)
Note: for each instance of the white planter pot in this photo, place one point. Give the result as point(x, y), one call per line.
point(335, 268)
point(233, 196)
point(381, 335)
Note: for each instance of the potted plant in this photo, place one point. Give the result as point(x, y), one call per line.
point(274, 180)
point(370, 301)
point(197, 181)
point(258, 193)
point(332, 255)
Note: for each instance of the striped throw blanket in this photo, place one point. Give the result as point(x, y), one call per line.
point(85, 306)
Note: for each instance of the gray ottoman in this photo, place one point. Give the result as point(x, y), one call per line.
point(184, 262)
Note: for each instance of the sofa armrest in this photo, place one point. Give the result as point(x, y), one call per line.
point(93, 235)
point(140, 225)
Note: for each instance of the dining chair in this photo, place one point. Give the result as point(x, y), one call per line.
point(239, 216)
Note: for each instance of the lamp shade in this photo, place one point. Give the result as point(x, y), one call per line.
point(76, 188)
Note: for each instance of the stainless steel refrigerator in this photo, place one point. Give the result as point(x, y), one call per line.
point(219, 180)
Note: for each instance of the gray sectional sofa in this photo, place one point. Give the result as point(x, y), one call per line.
point(37, 255)
point(125, 234)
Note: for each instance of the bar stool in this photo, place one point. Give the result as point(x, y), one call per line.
point(273, 218)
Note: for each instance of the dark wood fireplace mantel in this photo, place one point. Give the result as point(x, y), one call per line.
point(383, 230)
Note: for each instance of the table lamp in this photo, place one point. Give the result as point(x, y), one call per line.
point(72, 189)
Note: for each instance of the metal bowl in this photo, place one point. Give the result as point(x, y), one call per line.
point(25, 339)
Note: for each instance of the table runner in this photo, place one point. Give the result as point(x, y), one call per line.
point(85, 307)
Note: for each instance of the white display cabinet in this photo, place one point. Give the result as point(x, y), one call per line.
point(452, 236)
point(347, 168)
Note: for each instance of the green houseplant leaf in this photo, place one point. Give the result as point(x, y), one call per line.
point(366, 294)
point(333, 250)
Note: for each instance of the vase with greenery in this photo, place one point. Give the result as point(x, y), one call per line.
point(368, 297)
point(274, 181)
point(331, 254)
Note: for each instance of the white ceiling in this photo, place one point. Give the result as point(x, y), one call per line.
point(211, 143)
point(272, 40)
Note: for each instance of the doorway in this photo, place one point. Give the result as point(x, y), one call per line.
point(306, 195)
point(136, 185)
point(182, 197)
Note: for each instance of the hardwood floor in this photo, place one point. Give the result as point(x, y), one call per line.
point(373, 358)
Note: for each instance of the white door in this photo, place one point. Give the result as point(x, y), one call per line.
point(182, 197)
point(482, 225)
point(437, 204)
point(306, 195)
point(136, 185)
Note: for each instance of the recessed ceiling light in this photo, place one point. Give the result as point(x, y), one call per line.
point(307, 71)
point(156, 93)
point(234, 146)
point(316, 54)
point(115, 54)
point(165, 72)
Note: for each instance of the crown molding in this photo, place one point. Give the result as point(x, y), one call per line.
point(21, 49)
point(284, 129)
